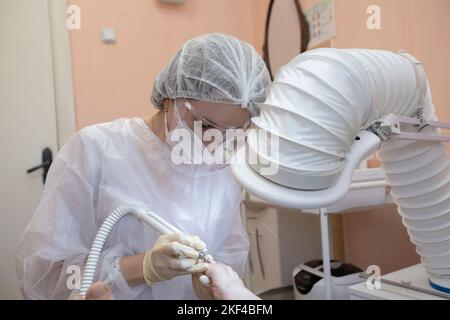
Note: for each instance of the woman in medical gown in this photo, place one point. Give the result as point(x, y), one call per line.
point(128, 162)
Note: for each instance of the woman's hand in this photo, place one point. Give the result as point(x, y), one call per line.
point(202, 291)
point(225, 284)
point(98, 291)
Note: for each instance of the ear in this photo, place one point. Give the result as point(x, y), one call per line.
point(166, 103)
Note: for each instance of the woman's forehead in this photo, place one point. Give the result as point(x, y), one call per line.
point(220, 111)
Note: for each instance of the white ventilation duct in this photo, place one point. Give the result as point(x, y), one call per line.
point(321, 100)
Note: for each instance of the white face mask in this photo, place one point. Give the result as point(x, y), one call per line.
point(187, 147)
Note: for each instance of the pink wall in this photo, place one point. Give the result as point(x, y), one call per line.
point(260, 8)
point(421, 27)
point(430, 42)
point(113, 81)
point(378, 237)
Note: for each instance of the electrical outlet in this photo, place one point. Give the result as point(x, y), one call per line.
point(108, 36)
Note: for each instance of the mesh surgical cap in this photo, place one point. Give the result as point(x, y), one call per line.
point(214, 68)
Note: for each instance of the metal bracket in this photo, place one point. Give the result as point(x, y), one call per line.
point(390, 128)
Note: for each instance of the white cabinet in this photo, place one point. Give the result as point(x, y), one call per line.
point(280, 240)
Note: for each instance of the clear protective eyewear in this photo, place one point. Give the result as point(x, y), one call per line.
point(207, 123)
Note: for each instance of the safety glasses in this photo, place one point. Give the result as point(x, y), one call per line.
point(206, 123)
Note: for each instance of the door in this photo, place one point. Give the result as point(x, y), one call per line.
point(27, 122)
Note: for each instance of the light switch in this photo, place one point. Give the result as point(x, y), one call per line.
point(108, 36)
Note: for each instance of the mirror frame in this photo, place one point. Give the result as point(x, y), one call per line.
point(304, 32)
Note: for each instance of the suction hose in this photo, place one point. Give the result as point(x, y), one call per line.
point(97, 246)
point(151, 219)
point(319, 102)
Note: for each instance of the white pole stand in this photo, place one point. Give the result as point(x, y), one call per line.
point(325, 252)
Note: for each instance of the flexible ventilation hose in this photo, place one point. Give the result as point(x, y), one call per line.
point(319, 102)
point(97, 246)
point(419, 174)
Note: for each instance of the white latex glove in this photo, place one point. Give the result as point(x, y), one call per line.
point(226, 284)
point(173, 255)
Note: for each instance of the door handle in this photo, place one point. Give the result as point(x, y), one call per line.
point(47, 159)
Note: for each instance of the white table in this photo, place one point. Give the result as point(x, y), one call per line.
point(415, 274)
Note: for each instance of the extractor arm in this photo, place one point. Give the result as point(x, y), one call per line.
point(390, 127)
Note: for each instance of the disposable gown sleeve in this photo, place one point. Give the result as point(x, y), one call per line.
point(54, 246)
point(234, 249)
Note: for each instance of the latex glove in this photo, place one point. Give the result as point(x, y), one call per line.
point(226, 284)
point(173, 255)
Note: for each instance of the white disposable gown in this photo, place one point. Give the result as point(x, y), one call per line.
point(124, 163)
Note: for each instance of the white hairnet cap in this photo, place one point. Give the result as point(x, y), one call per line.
point(214, 68)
